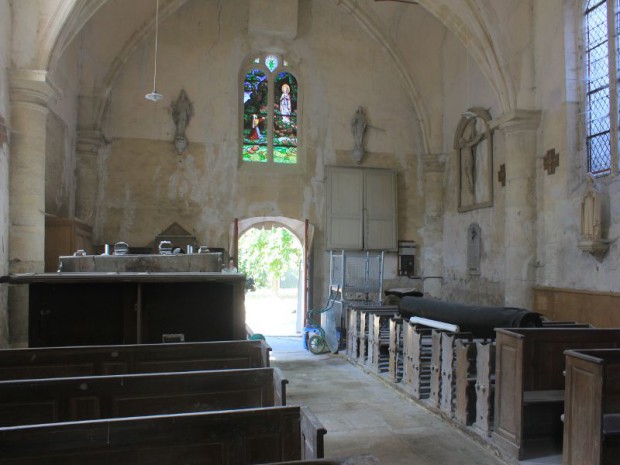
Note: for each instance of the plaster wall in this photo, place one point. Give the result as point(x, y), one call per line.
point(146, 185)
point(464, 87)
point(60, 142)
point(561, 263)
point(5, 40)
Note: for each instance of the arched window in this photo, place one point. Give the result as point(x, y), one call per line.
point(270, 111)
point(601, 64)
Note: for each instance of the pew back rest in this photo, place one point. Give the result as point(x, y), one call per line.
point(603, 363)
point(88, 398)
point(535, 356)
point(592, 407)
point(141, 358)
point(235, 437)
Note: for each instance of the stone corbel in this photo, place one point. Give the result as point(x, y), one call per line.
point(596, 248)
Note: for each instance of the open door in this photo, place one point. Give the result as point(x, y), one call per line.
point(303, 231)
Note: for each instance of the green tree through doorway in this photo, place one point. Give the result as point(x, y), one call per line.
point(271, 259)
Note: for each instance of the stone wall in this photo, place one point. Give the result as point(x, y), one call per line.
point(146, 185)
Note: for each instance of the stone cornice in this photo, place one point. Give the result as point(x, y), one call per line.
point(517, 120)
point(31, 86)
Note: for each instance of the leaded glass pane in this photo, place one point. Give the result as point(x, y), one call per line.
point(597, 87)
point(271, 62)
point(285, 121)
point(255, 102)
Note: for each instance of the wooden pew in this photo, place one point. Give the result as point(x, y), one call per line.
point(592, 407)
point(142, 358)
point(54, 400)
point(529, 385)
point(379, 339)
point(234, 437)
point(465, 374)
point(417, 355)
point(396, 348)
point(354, 460)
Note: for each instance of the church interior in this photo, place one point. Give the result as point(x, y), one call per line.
point(460, 153)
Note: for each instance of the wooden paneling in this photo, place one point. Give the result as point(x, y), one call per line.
point(57, 362)
point(26, 402)
point(237, 437)
point(600, 309)
point(63, 236)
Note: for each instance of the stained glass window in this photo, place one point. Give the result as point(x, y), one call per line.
point(255, 106)
point(270, 113)
point(285, 122)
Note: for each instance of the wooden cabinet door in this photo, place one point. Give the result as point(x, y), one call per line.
point(345, 206)
point(361, 209)
point(380, 232)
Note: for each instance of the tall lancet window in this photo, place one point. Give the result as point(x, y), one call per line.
point(600, 35)
point(270, 112)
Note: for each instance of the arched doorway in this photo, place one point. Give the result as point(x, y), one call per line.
point(273, 253)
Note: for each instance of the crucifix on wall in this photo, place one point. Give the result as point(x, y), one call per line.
point(551, 161)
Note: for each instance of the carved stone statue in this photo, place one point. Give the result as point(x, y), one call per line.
point(473, 142)
point(358, 127)
point(591, 211)
point(591, 231)
point(182, 112)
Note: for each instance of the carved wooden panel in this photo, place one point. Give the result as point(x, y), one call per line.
point(465, 411)
point(435, 369)
point(485, 386)
point(421, 361)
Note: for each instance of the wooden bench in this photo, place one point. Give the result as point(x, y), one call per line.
point(88, 398)
point(592, 407)
point(142, 358)
point(359, 332)
point(355, 460)
point(234, 437)
point(379, 339)
point(529, 384)
point(396, 348)
point(417, 347)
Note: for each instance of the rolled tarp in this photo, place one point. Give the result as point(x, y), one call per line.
point(479, 320)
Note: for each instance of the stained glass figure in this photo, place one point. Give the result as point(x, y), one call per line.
point(255, 103)
point(285, 119)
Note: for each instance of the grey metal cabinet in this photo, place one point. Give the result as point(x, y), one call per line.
point(361, 209)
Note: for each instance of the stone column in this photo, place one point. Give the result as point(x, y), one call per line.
point(432, 250)
point(30, 92)
point(520, 132)
point(87, 174)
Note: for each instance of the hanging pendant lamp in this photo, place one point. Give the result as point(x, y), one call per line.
point(155, 96)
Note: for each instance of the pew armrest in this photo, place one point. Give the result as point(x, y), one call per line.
point(312, 435)
point(611, 424)
point(279, 387)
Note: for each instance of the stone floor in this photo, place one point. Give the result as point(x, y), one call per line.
point(363, 415)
